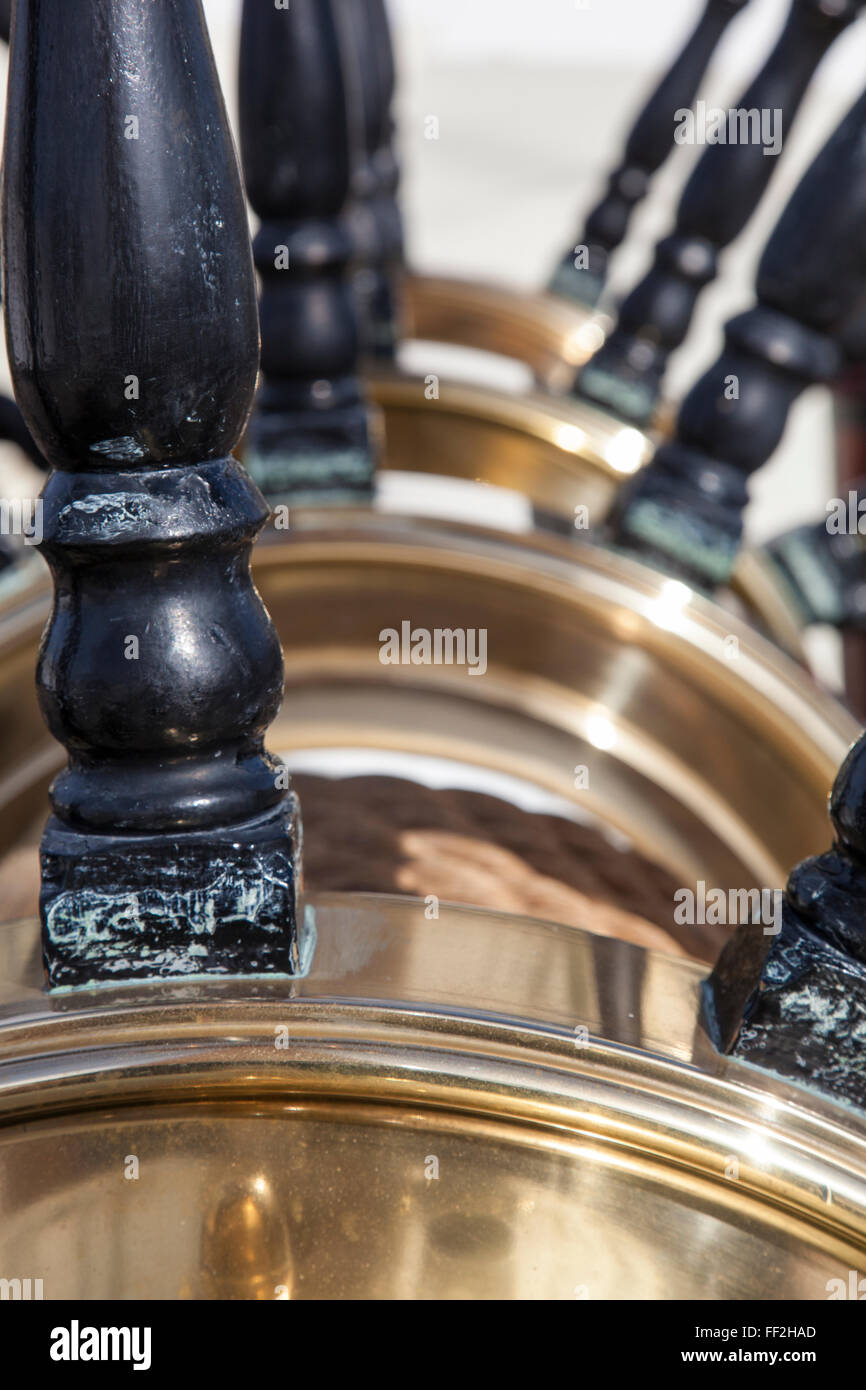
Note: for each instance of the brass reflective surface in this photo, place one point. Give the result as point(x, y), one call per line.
point(560, 454)
point(703, 744)
point(474, 1106)
point(551, 335)
point(557, 453)
point(758, 586)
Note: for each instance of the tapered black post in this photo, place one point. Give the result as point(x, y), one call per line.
point(582, 272)
point(685, 510)
point(308, 438)
point(790, 995)
point(131, 324)
point(626, 374)
point(374, 215)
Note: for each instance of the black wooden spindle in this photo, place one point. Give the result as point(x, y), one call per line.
point(308, 438)
point(626, 374)
point(685, 510)
point(790, 995)
point(131, 322)
point(5, 19)
point(582, 272)
point(374, 214)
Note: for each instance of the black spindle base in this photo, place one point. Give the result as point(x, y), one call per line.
point(627, 383)
point(821, 575)
point(581, 284)
point(794, 1001)
point(211, 902)
point(690, 528)
point(310, 456)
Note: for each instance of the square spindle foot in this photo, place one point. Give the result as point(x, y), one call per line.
point(580, 285)
point(615, 386)
point(792, 1004)
point(312, 458)
point(220, 902)
point(672, 537)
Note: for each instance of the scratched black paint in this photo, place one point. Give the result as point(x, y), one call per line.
point(795, 1003)
point(132, 331)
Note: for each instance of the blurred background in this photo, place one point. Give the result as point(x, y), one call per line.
point(533, 103)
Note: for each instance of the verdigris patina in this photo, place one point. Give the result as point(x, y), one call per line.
point(795, 1001)
point(131, 319)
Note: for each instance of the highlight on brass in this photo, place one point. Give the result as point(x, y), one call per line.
point(432, 670)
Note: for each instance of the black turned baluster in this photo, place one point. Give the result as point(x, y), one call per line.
point(582, 272)
point(790, 994)
point(131, 324)
point(308, 439)
point(13, 428)
point(625, 375)
point(374, 215)
point(684, 511)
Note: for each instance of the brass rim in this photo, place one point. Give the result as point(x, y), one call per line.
point(552, 336)
point(575, 637)
point(470, 1035)
point(558, 454)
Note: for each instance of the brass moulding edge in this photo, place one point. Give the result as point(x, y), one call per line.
point(550, 334)
point(644, 1112)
